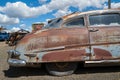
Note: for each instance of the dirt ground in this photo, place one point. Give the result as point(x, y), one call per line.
point(13, 73)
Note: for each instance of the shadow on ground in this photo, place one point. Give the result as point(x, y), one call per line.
point(92, 70)
point(17, 72)
point(24, 71)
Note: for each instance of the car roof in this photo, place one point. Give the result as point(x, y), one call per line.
point(90, 13)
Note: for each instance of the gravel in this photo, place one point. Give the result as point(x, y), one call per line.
point(82, 73)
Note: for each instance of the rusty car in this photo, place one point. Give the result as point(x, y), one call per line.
point(91, 37)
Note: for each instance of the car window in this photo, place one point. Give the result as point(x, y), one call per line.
point(54, 24)
point(3, 33)
point(77, 22)
point(105, 19)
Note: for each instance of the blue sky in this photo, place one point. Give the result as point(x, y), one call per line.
point(16, 14)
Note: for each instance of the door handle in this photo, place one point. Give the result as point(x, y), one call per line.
point(93, 30)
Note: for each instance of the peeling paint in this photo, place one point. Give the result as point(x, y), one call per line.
point(72, 44)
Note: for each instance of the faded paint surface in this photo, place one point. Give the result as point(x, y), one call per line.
point(72, 44)
point(106, 51)
point(105, 42)
point(105, 35)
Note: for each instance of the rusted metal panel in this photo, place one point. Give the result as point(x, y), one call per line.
point(67, 36)
point(105, 42)
point(103, 52)
point(66, 55)
point(75, 54)
point(56, 40)
point(105, 35)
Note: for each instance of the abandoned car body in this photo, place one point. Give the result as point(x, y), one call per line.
point(89, 37)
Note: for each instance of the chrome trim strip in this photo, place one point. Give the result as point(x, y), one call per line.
point(102, 61)
point(51, 49)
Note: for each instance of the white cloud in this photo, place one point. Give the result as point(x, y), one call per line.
point(14, 11)
point(4, 19)
point(42, 1)
point(21, 10)
point(64, 5)
point(113, 5)
point(81, 4)
point(14, 29)
point(63, 12)
point(23, 25)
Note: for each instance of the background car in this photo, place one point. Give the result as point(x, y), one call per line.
point(4, 35)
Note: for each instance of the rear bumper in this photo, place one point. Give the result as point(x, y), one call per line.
point(16, 62)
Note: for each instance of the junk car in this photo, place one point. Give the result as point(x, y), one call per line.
point(89, 37)
point(3, 35)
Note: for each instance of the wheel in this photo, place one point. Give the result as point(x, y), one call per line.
point(61, 68)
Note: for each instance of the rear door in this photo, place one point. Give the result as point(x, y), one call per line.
point(104, 32)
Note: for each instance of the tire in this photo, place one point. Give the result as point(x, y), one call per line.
point(62, 68)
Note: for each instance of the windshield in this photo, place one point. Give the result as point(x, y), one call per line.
point(105, 19)
point(3, 33)
point(54, 24)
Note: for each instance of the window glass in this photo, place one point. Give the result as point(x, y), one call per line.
point(53, 24)
point(3, 33)
point(77, 22)
point(105, 19)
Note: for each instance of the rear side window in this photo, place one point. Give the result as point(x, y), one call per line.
point(76, 22)
point(105, 20)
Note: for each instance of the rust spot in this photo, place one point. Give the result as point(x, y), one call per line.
point(37, 59)
point(102, 54)
point(69, 55)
